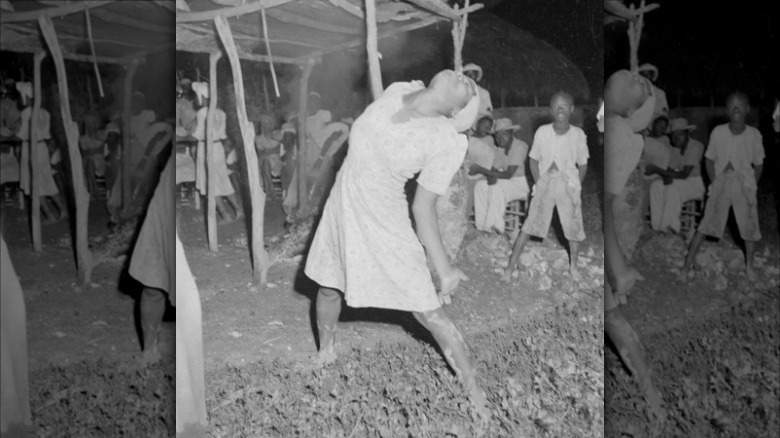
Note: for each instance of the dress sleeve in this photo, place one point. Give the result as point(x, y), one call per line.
point(443, 163)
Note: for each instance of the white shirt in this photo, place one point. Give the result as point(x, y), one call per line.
point(485, 105)
point(741, 150)
point(219, 128)
point(318, 121)
point(566, 151)
point(44, 122)
point(481, 151)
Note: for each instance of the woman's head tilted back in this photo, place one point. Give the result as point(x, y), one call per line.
point(454, 91)
point(624, 93)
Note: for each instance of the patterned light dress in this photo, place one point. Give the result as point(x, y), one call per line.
point(365, 245)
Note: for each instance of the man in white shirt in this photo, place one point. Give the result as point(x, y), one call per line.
point(735, 158)
point(475, 73)
point(679, 181)
point(559, 162)
point(503, 182)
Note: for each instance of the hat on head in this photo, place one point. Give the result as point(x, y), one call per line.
point(505, 124)
point(473, 67)
point(112, 127)
point(201, 90)
point(314, 94)
point(650, 68)
point(25, 89)
point(680, 124)
point(185, 81)
point(288, 127)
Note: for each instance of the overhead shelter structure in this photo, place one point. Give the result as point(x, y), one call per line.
point(298, 32)
point(99, 32)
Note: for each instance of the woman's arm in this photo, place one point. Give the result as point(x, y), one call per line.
point(427, 220)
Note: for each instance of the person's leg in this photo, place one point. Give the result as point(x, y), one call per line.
point(621, 276)
point(716, 214)
point(746, 213)
point(569, 205)
point(481, 204)
point(631, 352)
point(265, 175)
point(236, 203)
point(517, 249)
point(656, 204)
point(152, 310)
point(452, 344)
point(328, 310)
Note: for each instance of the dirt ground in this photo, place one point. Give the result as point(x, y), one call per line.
point(243, 323)
point(65, 321)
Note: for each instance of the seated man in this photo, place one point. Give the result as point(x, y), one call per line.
point(656, 153)
point(735, 158)
point(679, 182)
point(268, 148)
point(559, 162)
point(504, 181)
point(482, 152)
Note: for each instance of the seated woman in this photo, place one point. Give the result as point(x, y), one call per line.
point(268, 148)
point(93, 151)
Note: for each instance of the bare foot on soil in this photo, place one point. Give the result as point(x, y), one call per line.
point(324, 358)
point(149, 357)
point(627, 281)
point(506, 277)
point(575, 275)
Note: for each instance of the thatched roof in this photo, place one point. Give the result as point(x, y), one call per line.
point(519, 63)
point(121, 30)
point(300, 30)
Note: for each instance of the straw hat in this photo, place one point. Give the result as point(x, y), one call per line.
point(505, 124)
point(473, 67)
point(680, 124)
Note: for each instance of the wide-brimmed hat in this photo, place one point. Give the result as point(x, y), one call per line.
point(680, 124)
point(505, 124)
point(473, 67)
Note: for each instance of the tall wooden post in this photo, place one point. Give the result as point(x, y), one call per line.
point(83, 255)
point(127, 115)
point(303, 113)
point(259, 255)
point(211, 180)
point(35, 187)
point(373, 51)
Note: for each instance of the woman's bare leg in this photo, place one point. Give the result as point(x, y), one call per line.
point(455, 352)
point(152, 310)
point(328, 310)
point(633, 355)
point(619, 274)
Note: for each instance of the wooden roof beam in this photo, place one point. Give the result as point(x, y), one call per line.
point(115, 18)
point(246, 37)
point(18, 17)
point(167, 4)
point(287, 17)
point(383, 34)
point(444, 10)
point(189, 17)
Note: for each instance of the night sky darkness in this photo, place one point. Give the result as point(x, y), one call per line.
point(705, 50)
point(575, 27)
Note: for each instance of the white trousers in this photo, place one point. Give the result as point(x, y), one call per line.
point(490, 201)
point(666, 201)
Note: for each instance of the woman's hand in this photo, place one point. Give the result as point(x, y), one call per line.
point(449, 282)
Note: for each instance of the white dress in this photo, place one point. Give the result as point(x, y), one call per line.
point(365, 245)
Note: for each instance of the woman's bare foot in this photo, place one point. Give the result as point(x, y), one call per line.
point(575, 274)
point(506, 277)
point(478, 400)
point(324, 357)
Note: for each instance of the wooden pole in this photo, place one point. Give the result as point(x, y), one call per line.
point(127, 115)
point(373, 52)
point(303, 110)
point(83, 255)
point(211, 180)
point(35, 187)
point(259, 255)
